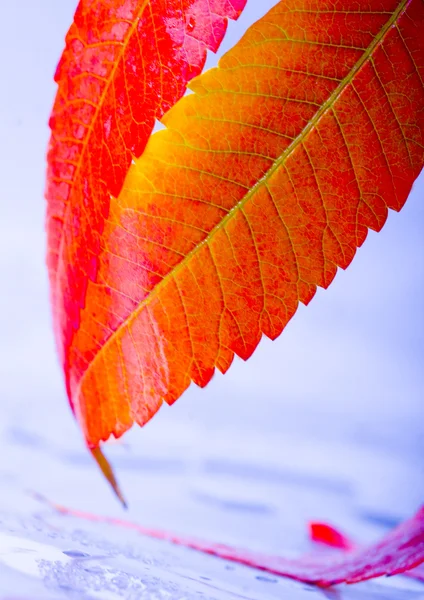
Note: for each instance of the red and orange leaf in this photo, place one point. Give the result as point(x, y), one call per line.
point(400, 551)
point(265, 181)
point(126, 62)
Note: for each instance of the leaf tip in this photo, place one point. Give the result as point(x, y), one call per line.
point(107, 471)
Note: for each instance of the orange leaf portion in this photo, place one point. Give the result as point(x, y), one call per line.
point(264, 183)
point(125, 63)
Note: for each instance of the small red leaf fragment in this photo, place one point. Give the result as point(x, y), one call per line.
point(328, 535)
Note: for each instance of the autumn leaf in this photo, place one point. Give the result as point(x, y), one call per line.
point(125, 63)
point(264, 182)
point(400, 551)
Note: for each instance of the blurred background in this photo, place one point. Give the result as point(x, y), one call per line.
point(326, 422)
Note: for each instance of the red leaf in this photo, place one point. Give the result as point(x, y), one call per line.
point(399, 551)
point(126, 62)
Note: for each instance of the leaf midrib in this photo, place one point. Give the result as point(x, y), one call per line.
point(277, 163)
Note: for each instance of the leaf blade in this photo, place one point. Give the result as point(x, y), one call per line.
point(254, 196)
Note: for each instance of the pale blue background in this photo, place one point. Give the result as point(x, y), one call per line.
point(340, 392)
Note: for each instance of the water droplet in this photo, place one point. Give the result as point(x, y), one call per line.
point(266, 579)
point(75, 553)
